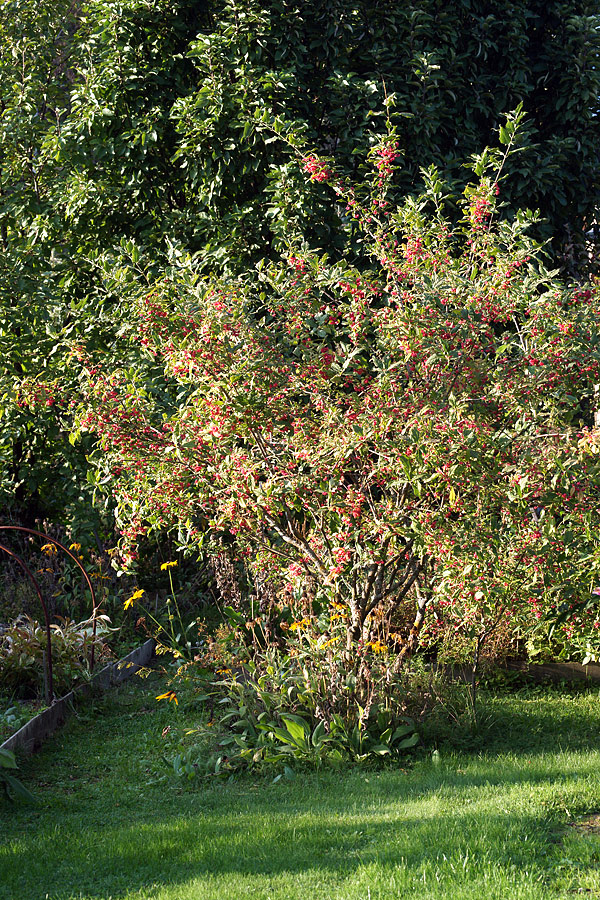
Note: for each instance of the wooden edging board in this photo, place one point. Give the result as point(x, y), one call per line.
point(31, 736)
point(557, 671)
point(538, 672)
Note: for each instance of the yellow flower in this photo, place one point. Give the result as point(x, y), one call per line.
point(49, 549)
point(377, 646)
point(328, 643)
point(135, 596)
point(300, 624)
point(168, 565)
point(74, 546)
point(169, 695)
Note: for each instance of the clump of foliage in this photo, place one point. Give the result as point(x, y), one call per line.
point(328, 68)
point(135, 129)
point(411, 438)
point(23, 649)
point(13, 718)
point(305, 703)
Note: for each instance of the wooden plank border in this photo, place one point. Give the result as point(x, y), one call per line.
point(32, 735)
point(556, 671)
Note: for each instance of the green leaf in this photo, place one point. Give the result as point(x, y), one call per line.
point(380, 750)
point(16, 789)
point(298, 729)
point(409, 742)
point(7, 759)
point(401, 731)
point(319, 735)
point(233, 615)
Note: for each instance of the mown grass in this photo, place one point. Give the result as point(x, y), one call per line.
point(490, 821)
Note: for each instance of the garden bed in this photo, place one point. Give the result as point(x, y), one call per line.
point(31, 735)
point(15, 714)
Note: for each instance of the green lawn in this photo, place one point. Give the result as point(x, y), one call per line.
point(113, 823)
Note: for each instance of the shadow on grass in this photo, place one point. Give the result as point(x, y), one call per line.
point(328, 828)
point(544, 720)
point(116, 834)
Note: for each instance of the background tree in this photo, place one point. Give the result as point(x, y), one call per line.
point(325, 68)
point(86, 96)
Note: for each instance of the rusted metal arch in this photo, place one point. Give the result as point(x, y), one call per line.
point(50, 540)
point(33, 579)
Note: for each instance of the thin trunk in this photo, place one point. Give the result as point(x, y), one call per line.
point(412, 641)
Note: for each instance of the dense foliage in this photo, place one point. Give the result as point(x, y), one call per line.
point(141, 127)
point(403, 445)
point(241, 241)
point(325, 69)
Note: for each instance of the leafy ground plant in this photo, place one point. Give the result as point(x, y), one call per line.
point(13, 788)
point(255, 728)
point(304, 702)
point(17, 715)
point(23, 648)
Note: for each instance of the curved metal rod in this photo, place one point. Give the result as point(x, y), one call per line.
point(52, 540)
point(32, 578)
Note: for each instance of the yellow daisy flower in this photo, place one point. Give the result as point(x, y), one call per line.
point(377, 646)
point(135, 596)
point(169, 695)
